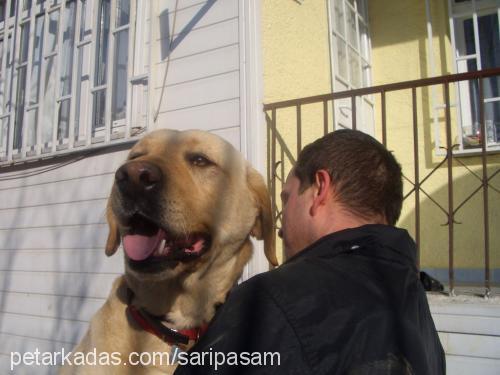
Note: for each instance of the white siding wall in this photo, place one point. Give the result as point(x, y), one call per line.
point(54, 274)
point(53, 271)
point(469, 329)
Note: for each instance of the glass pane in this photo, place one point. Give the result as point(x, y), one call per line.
point(68, 44)
point(102, 43)
point(4, 131)
point(63, 120)
point(27, 4)
point(19, 121)
point(489, 41)
point(122, 12)
point(2, 78)
point(23, 49)
point(49, 103)
point(32, 119)
point(52, 32)
point(355, 69)
point(341, 58)
point(492, 121)
point(363, 39)
point(82, 92)
point(99, 109)
point(366, 74)
point(339, 17)
point(351, 27)
point(12, 8)
point(2, 10)
point(362, 9)
point(37, 60)
point(119, 108)
point(85, 21)
point(8, 76)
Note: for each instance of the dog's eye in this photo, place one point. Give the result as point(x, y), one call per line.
point(199, 160)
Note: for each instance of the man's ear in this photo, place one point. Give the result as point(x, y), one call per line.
point(263, 228)
point(114, 235)
point(322, 190)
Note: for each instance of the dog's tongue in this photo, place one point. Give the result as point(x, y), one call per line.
point(139, 247)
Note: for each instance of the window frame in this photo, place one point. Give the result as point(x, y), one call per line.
point(458, 12)
point(80, 68)
point(362, 51)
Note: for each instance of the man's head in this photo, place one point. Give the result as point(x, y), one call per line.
point(342, 180)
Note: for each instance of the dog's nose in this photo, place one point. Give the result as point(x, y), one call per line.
point(138, 177)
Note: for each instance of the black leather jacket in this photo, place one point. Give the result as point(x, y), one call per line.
point(351, 303)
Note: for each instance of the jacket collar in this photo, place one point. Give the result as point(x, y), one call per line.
point(395, 241)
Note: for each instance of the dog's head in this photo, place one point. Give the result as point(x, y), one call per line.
point(183, 200)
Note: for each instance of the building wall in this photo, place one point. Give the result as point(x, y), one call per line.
point(296, 64)
point(54, 274)
point(400, 52)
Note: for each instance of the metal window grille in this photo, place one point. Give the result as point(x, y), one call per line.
point(67, 79)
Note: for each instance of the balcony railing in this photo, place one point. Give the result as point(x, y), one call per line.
point(443, 153)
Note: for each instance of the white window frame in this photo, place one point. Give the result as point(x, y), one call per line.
point(136, 111)
point(362, 52)
point(459, 11)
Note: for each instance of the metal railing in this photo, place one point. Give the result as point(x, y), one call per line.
point(279, 152)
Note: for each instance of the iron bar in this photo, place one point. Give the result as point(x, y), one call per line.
point(407, 85)
point(449, 158)
point(353, 111)
point(273, 159)
point(417, 175)
point(299, 129)
point(384, 118)
point(325, 117)
point(484, 139)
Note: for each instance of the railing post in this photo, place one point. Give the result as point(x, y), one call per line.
point(299, 129)
point(449, 156)
point(353, 112)
point(417, 174)
point(384, 119)
point(273, 159)
point(484, 181)
point(325, 117)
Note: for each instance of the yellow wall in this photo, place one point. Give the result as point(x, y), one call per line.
point(295, 48)
point(399, 53)
point(296, 64)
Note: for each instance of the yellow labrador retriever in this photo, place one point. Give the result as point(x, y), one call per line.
point(184, 206)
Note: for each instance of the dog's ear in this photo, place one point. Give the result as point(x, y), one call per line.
point(114, 235)
point(263, 228)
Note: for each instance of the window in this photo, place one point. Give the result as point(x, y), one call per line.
point(351, 67)
point(476, 42)
point(67, 81)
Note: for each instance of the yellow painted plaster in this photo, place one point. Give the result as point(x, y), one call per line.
point(400, 52)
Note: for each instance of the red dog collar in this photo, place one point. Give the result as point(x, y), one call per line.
point(154, 325)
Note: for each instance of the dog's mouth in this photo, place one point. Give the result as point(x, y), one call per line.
point(146, 242)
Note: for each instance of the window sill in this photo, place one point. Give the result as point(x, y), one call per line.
point(471, 152)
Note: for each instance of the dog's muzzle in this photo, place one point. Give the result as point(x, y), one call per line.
point(138, 178)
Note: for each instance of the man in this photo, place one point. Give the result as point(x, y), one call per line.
point(348, 299)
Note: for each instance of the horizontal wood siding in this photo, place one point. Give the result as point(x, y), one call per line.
point(54, 274)
point(469, 333)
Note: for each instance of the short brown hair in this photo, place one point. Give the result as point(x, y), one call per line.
point(366, 176)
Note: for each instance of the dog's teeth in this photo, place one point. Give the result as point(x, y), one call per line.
point(161, 247)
